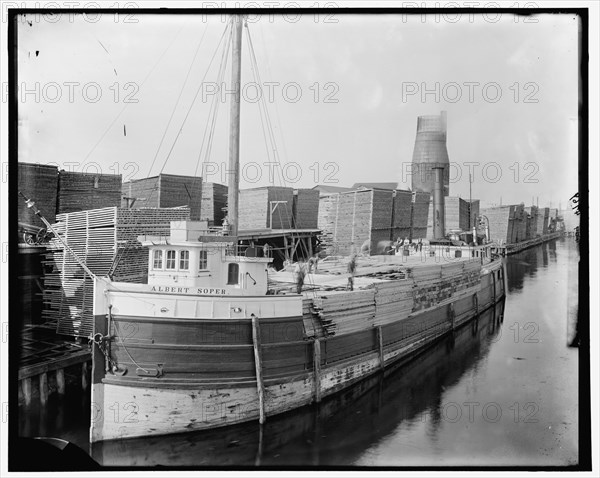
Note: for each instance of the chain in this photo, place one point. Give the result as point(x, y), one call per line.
point(100, 340)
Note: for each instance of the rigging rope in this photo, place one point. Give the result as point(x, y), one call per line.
point(178, 99)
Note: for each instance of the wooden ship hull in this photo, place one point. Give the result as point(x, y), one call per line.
point(404, 392)
point(176, 363)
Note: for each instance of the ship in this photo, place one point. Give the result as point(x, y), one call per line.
point(217, 337)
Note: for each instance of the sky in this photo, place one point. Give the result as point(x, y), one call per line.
point(343, 92)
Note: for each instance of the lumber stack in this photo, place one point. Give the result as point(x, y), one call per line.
point(350, 219)
point(543, 215)
point(255, 208)
point(166, 191)
point(532, 215)
point(393, 300)
point(99, 237)
point(435, 283)
point(82, 191)
point(38, 182)
point(306, 208)
point(500, 223)
point(519, 224)
point(402, 211)
point(345, 312)
point(456, 214)
point(312, 320)
point(214, 202)
point(144, 191)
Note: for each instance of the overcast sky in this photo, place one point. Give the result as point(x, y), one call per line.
point(510, 89)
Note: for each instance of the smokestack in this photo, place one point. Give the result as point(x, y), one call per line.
point(430, 151)
point(439, 221)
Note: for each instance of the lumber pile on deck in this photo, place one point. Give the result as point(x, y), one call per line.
point(99, 237)
point(393, 300)
point(38, 182)
point(345, 312)
point(81, 191)
point(435, 283)
point(312, 320)
point(214, 201)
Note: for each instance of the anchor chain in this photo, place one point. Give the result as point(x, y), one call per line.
point(101, 341)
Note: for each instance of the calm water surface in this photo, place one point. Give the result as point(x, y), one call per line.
point(502, 391)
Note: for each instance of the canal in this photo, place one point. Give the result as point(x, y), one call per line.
point(503, 391)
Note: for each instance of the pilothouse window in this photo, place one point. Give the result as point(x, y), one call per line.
point(184, 260)
point(157, 263)
point(233, 272)
point(171, 259)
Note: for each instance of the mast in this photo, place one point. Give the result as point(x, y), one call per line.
point(234, 131)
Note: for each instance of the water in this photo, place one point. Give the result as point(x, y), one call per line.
point(500, 392)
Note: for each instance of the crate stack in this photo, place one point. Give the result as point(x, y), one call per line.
point(165, 191)
point(214, 202)
point(346, 312)
point(38, 182)
point(98, 237)
point(82, 191)
point(255, 208)
point(306, 208)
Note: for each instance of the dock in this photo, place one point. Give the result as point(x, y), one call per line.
point(510, 249)
point(48, 362)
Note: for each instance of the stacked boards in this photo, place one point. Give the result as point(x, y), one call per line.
point(531, 228)
point(38, 182)
point(256, 204)
point(214, 202)
point(82, 191)
point(543, 216)
point(386, 302)
point(306, 208)
point(508, 224)
point(459, 215)
point(106, 241)
point(393, 300)
point(165, 191)
point(402, 214)
point(367, 219)
point(346, 312)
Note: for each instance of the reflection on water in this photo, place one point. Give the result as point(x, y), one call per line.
point(525, 264)
point(494, 393)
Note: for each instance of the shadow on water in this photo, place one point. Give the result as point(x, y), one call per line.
point(335, 432)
